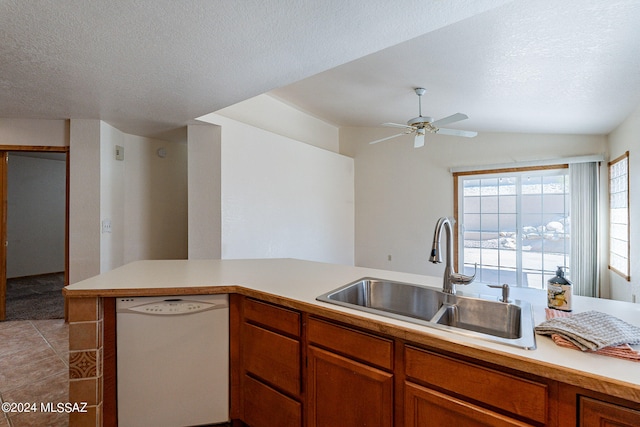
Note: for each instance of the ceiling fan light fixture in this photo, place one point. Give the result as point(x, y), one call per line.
point(420, 121)
point(418, 141)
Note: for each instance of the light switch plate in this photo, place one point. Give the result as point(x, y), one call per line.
point(119, 152)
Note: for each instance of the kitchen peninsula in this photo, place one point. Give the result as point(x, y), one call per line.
point(409, 368)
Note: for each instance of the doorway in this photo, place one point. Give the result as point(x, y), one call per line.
point(34, 219)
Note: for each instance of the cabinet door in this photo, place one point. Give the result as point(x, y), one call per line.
point(594, 413)
point(342, 392)
point(266, 407)
point(425, 407)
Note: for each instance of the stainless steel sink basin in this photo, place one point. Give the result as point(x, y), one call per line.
point(505, 323)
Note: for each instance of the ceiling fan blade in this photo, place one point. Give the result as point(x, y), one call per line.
point(457, 132)
point(419, 140)
point(397, 125)
point(450, 119)
point(389, 137)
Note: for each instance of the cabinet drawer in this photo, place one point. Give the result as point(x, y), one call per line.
point(265, 407)
point(358, 345)
point(272, 317)
point(594, 413)
point(499, 390)
point(272, 357)
point(424, 407)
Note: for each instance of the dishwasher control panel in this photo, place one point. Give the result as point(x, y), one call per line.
point(168, 306)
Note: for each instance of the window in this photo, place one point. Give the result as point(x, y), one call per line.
point(619, 216)
point(514, 224)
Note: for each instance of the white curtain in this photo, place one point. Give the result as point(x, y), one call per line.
point(584, 264)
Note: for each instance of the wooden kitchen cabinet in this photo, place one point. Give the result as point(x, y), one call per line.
point(272, 358)
point(596, 413)
point(293, 368)
point(266, 355)
point(265, 406)
point(426, 407)
point(585, 408)
point(349, 382)
point(452, 389)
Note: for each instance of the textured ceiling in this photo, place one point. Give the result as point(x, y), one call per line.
point(149, 66)
point(549, 66)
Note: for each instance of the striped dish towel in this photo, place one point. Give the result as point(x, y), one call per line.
point(623, 351)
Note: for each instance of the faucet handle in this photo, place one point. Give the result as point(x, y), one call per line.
point(505, 291)
point(461, 279)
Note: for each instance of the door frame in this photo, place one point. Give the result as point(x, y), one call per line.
point(4, 155)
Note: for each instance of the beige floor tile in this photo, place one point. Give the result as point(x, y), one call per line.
point(51, 389)
point(52, 330)
point(39, 419)
point(21, 336)
point(61, 348)
point(4, 420)
point(15, 327)
point(30, 372)
point(23, 356)
point(24, 351)
point(34, 368)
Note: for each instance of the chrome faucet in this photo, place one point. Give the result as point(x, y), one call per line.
point(451, 278)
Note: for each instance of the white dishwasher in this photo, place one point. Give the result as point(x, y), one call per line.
point(173, 360)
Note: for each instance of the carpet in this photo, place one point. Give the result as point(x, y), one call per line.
point(35, 297)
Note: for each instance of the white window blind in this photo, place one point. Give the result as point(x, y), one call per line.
point(585, 247)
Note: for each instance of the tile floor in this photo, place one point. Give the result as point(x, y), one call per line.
point(34, 368)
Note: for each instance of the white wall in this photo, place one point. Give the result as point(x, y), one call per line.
point(155, 199)
point(273, 115)
point(144, 197)
point(204, 200)
point(401, 191)
point(112, 181)
point(283, 198)
point(84, 199)
point(36, 215)
point(627, 138)
point(33, 132)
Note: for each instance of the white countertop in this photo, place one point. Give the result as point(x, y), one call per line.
point(303, 281)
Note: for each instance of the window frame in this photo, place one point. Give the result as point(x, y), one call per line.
point(624, 157)
point(457, 195)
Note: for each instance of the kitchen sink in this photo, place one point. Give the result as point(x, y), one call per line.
point(504, 323)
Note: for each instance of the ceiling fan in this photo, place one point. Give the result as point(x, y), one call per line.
point(421, 124)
